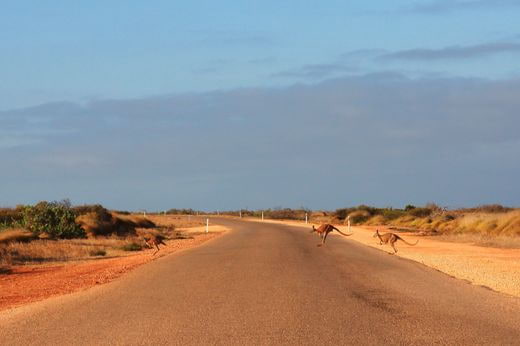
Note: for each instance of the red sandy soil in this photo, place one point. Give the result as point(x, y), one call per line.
point(26, 284)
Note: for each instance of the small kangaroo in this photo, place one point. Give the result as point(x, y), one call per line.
point(391, 238)
point(324, 230)
point(154, 239)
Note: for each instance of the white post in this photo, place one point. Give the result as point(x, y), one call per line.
point(240, 213)
point(306, 218)
point(144, 213)
point(262, 215)
point(207, 225)
point(348, 223)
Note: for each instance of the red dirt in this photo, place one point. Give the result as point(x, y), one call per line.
point(26, 284)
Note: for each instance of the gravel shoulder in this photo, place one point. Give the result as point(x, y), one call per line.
point(31, 283)
point(494, 268)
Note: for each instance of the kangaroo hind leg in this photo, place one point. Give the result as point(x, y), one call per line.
point(393, 246)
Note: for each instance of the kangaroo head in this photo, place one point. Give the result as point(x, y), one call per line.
point(376, 234)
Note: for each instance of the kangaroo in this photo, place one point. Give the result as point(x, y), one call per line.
point(391, 238)
point(154, 239)
point(324, 230)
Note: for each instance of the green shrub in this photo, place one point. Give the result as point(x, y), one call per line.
point(132, 247)
point(359, 216)
point(391, 214)
point(343, 212)
point(57, 219)
point(409, 207)
point(420, 212)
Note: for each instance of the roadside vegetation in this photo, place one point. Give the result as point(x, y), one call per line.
point(489, 225)
point(486, 220)
point(58, 231)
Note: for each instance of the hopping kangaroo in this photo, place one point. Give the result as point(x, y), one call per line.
point(154, 239)
point(391, 238)
point(324, 230)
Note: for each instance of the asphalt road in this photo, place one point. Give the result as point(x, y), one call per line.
point(270, 284)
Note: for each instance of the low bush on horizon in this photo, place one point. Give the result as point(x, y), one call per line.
point(181, 211)
point(276, 213)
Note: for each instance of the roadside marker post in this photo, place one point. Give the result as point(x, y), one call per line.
point(207, 225)
point(240, 213)
point(262, 216)
point(306, 218)
point(348, 223)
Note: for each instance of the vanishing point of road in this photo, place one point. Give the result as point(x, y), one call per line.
point(265, 283)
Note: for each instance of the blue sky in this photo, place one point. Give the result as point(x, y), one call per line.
point(222, 105)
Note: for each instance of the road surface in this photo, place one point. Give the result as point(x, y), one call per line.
point(270, 284)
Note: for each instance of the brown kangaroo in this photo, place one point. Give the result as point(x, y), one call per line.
point(324, 230)
point(154, 239)
point(390, 238)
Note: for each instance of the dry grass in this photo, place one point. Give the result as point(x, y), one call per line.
point(62, 250)
point(5, 260)
point(503, 242)
point(176, 221)
point(10, 235)
point(484, 225)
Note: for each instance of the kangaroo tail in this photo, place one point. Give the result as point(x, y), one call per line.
point(346, 235)
point(404, 241)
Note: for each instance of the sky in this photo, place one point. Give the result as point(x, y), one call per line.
point(226, 105)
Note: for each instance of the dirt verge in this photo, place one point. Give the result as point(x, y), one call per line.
point(31, 283)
